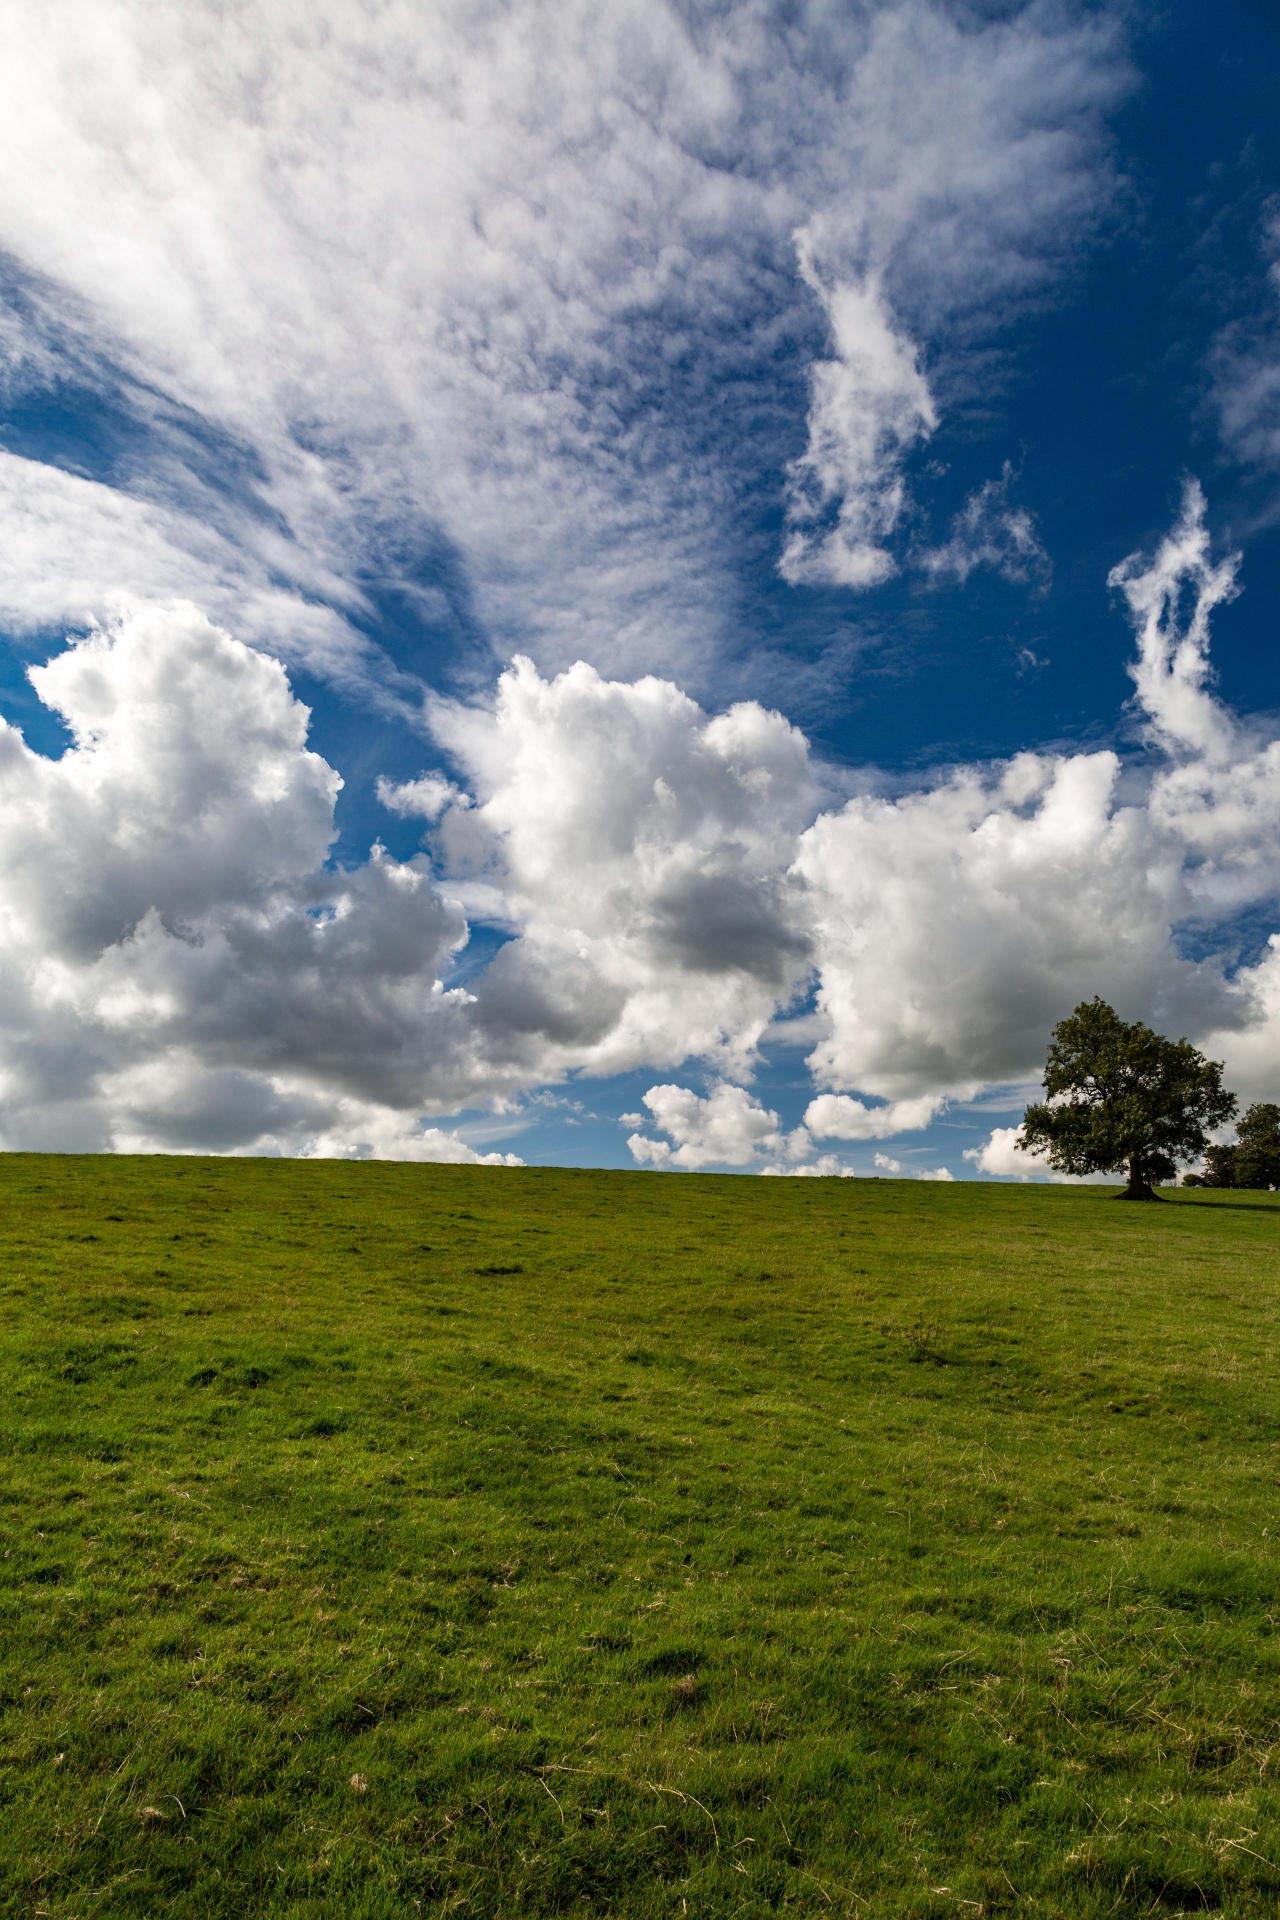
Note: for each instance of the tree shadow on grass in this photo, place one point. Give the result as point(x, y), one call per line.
point(1270, 1205)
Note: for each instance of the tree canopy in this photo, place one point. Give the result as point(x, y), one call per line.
point(1254, 1160)
point(1122, 1097)
point(1219, 1169)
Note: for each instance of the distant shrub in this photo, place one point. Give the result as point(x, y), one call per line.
point(1220, 1167)
point(1258, 1148)
point(1254, 1160)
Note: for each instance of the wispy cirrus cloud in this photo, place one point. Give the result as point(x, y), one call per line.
point(868, 406)
point(1244, 367)
point(513, 290)
point(990, 531)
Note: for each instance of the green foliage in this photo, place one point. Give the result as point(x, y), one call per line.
point(383, 1540)
point(1258, 1151)
point(1219, 1167)
point(1122, 1096)
point(1254, 1162)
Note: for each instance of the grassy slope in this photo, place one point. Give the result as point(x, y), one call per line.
point(650, 1545)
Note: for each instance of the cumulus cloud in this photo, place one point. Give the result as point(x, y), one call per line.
point(179, 1104)
point(382, 298)
point(642, 849)
point(731, 1128)
point(375, 1134)
point(835, 1116)
point(825, 1167)
point(1250, 1047)
point(182, 963)
point(952, 925)
point(1000, 1155)
point(423, 799)
point(728, 1128)
point(178, 966)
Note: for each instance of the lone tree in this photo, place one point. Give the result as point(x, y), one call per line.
point(1121, 1097)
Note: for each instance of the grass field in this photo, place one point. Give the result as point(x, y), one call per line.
point(383, 1540)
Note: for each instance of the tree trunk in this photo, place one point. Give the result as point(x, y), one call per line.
point(1139, 1187)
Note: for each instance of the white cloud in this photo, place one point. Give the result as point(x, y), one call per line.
point(165, 886)
point(989, 532)
point(835, 1116)
point(181, 965)
point(424, 799)
point(899, 1171)
point(427, 279)
point(177, 964)
point(728, 1128)
point(1172, 668)
point(1250, 1047)
point(73, 551)
point(642, 850)
point(868, 405)
point(954, 925)
point(825, 1167)
point(1245, 371)
point(174, 1104)
point(1000, 1155)
point(482, 282)
point(373, 1134)
point(950, 134)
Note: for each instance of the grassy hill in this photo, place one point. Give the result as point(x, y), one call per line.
point(383, 1540)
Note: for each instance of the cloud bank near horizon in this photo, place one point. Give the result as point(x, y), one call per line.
point(180, 966)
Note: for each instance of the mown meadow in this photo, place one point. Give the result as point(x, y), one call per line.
point(382, 1540)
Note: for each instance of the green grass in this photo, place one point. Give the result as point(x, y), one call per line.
point(383, 1540)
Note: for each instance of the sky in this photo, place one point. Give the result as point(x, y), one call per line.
point(659, 585)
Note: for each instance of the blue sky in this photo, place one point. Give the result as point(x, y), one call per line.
point(821, 362)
